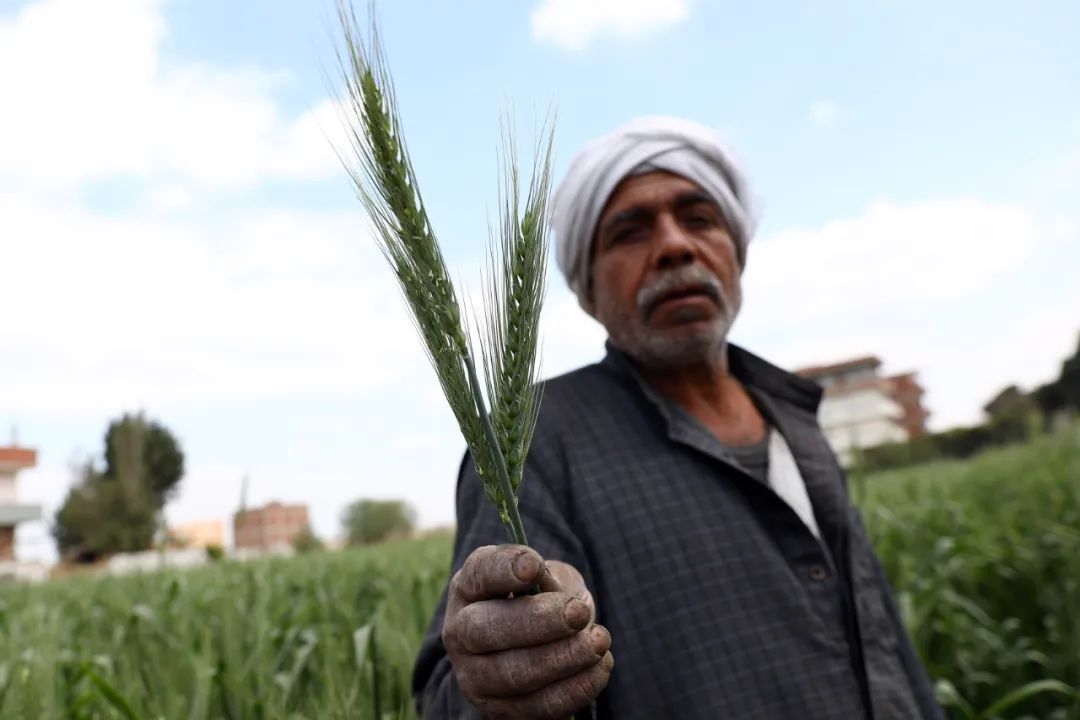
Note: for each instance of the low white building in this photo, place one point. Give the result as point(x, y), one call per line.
point(154, 560)
point(22, 571)
point(14, 459)
point(862, 409)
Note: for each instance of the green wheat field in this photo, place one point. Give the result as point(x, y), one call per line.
point(984, 554)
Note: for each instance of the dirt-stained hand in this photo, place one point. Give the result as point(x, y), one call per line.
point(539, 656)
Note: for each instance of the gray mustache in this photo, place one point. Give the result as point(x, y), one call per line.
point(693, 276)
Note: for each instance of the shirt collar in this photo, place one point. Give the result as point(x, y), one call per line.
point(745, 366)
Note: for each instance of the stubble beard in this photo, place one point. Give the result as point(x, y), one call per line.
point(683, 345)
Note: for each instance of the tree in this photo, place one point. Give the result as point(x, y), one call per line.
point(148, 453)
point(1069, 381)
point(371, 521)
point(1010, 400)
point(117, 508)
point(1012, 416)
point(1063, 393)
point(307, 541)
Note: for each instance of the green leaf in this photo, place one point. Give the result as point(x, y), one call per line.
point(949, 696)
point(110, 693)
point(1023, 693)
point(362, 645)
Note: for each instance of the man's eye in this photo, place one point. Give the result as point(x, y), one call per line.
point(699, 221)
point(624, 235)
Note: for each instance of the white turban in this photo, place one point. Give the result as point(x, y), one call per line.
point(643, 145)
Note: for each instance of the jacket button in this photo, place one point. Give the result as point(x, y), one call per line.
point(818, 573)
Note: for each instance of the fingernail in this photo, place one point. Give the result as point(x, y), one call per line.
point(608, 662)
point(576, 614)
point(599, 639)
point(526, 567)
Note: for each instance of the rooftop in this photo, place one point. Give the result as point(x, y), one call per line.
point(17, 513)
point(273, 505)
point(813, 372)
point(860, 385)
point(17, 458)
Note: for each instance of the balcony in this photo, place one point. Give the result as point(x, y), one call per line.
point(12, 514)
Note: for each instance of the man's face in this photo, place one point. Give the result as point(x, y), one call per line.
point(665, 274)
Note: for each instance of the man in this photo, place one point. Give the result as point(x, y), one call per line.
point(684, 512)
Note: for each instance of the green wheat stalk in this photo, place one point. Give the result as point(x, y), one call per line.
point(516, 290)
point(386, 184)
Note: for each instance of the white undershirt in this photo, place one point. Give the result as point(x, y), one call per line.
point(787, 482)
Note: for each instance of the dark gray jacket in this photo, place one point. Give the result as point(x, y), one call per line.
point(720, 602)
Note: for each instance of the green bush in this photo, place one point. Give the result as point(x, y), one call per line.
point(307, 541)
point(985, 556)
point(958, 443)
point(371, 521)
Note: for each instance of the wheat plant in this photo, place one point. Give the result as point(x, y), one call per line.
point(504, 343)
point(984, 555)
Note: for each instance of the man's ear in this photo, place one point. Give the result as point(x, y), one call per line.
point(590, 286)
point(588, 299)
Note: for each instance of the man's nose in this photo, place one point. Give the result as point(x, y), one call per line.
point(673, 246)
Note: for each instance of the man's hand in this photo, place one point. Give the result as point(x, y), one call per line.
point(529, 656)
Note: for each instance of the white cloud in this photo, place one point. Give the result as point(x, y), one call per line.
point(93, 100)
point(1064, 175)
point(960, 370)
point(570, 337)
point(135, 311)
point(168, 198)
point(823, 113)
point(890, 255)
point(575, 24)
point(934, 287)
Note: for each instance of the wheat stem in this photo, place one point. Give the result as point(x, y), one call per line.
point(515, 528)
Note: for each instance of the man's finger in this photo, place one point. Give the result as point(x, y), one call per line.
point(493, 625)
point(495, 571)
point(523, 671)
point(565, 577)
point(557, 701)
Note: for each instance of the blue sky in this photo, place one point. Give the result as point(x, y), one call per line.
point(177, 236)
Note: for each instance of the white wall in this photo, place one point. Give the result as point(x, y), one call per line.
point(7, 489)
point(860, 419)
point(23, 572)
point(151, 560)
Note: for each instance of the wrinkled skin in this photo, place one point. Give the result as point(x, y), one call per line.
point(524, 656)
point(666, 285)
point(660, 233)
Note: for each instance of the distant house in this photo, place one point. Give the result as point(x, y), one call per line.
point(12, 512)
point(202, 533)
point(862, 408)
point(269, 528)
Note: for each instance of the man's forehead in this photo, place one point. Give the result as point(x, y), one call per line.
point(649, 188)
